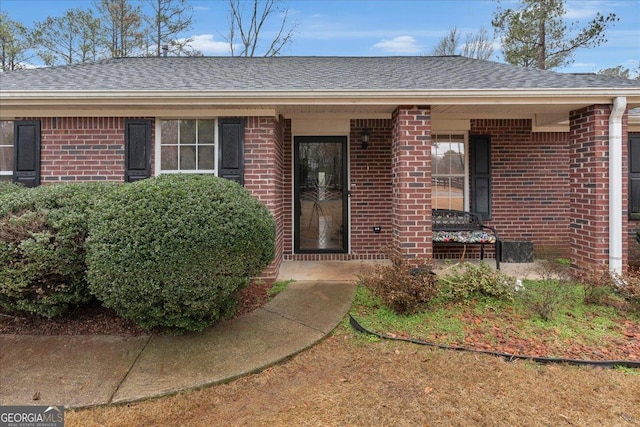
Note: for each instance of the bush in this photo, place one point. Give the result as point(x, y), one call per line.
point(551, 291)
point(468, 280)
point(402, 288)
point(8, 187)
point(42, 235)
point(598, 283)
point(629, 287)
point(175, 250)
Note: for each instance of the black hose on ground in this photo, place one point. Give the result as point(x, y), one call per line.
point(509, 357)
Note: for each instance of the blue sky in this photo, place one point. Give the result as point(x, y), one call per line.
point(376, 28)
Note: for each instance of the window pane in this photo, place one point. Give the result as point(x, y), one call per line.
point(206, 131)
point(205, 157)
point(169, 132)
point(448, 171)
point(6, 133)
point(169, 157)
point(188, 157)
point(187, 132)
point(6, 158)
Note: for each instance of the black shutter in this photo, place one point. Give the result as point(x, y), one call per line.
point(480, 155)
point(231, 142)
point(26, 156)
point(137, 148)
point(634, 177)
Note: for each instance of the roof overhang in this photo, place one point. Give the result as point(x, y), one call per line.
point(548, 108)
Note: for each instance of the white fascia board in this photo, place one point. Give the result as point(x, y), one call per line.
point(471, 96)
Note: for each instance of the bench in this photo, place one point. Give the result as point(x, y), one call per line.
point(452, 227)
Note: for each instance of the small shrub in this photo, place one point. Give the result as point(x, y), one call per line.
point(629, 287)
point(545, 297)
point(597, 283)
point(42, 257)
point(468, 280)
point(551, 291)
point(175, 250)
point(402, 288)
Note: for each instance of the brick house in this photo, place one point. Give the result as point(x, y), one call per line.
point(349, 153)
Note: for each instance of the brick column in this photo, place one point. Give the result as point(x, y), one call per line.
point(411, 174)
point(263, 174)
point(589, 216)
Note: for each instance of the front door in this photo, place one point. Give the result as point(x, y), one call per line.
point(320, 194)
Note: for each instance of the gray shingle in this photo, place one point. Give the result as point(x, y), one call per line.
point(298, 73)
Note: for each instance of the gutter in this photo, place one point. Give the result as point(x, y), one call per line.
point(615, 185)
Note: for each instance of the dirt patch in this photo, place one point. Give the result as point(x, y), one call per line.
point(93, 319)
point(346, 380)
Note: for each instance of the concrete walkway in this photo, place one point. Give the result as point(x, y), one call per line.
point(79, 371)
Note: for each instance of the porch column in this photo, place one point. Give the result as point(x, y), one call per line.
point(590, 208)
point(411, 176)
point(263, 175)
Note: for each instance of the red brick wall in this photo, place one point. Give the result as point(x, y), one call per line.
point(263, 174)
point(82, 149)
point(589, 226)
point(287, 188)
point(371, 190)
point(530, 183)
point(411, 178)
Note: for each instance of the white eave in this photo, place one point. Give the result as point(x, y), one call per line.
point(446, 104)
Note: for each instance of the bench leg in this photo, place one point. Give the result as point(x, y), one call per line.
point(481, 252)
point(498, 254)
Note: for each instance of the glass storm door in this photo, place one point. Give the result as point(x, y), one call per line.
point(320, 194)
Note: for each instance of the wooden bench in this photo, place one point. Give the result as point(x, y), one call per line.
point(463, 228)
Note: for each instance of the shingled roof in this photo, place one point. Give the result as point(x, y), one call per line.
point(298, 73)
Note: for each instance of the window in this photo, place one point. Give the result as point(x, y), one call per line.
point(6, 150)
point(187, 146)
point(634, 177)
point(448, 172)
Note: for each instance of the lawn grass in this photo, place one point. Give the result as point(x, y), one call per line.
point(575, 330)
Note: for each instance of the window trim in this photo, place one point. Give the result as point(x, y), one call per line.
point(466, 203)
point(158, 147)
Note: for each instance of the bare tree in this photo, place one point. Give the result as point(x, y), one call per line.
point(246, 28)
point(621, 71)
point(476, 45)
point(14, 44)
point(169, 18)
point(122, 23)
point(448, 45)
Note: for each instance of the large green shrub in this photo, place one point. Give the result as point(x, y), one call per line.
point(175, 250)
point(42, 235)
point(8, 187)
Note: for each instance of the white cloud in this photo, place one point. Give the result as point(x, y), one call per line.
point(399, 45)
point(206, 44)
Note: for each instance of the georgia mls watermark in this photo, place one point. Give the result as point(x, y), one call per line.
point(31, 416)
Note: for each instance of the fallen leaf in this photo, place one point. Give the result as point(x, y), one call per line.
point(36, 396)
